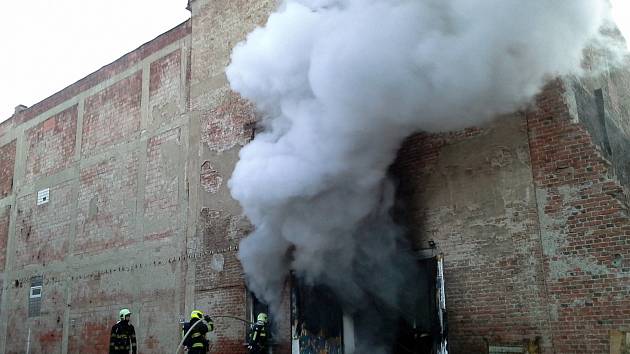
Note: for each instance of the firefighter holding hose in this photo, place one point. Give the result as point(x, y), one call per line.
point(195, 332)
point(259, 335)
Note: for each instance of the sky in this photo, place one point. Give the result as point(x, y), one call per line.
point(46, 45)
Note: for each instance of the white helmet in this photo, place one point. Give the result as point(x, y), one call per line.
point(123, 313)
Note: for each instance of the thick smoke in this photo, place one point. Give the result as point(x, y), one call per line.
point(341, 84)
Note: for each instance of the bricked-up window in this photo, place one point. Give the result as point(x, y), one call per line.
point(35, 296)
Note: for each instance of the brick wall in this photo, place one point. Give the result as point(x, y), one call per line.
point(50, 145)
point(471, 193)
point(7, 165)
point(220, 235)
point(526, 254)
point(98, 298)
point(585, 229)
point(107, 233)
point(46, 331)
point(43, 231)
point(112, 115)
point(229, 335)
point(229, 123)
point(107, 204)
point(161, 201)
point(5, 213)
point(165, 89)
point(533, 226)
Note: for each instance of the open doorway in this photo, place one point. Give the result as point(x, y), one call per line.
point(319, 324)
point(425, 331)
point(317, 319)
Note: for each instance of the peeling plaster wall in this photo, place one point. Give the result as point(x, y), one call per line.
point(112, 150)
point(531, 213)
point(221, 123)
point(584, 223)
point(136, 156)
point(472, 194)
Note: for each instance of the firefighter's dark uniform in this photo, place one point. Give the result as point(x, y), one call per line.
point(258, 338)
point(196, 341)
point(123, 338)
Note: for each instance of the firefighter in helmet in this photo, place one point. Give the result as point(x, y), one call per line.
point(123, 336)
point(196, 341)
point(259, 335)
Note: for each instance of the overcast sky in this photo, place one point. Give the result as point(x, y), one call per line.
point(46, 45)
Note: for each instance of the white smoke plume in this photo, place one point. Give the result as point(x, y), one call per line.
point(341, 84)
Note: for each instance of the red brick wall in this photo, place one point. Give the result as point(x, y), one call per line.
point(585, 227)
point(97, 298)
point(112, 115)
point(161, 197)
point(50, 145)
point(229, 335)
point(210, 179)
point(229, 123)
point(101, 191)
point(107, 204)
point(165, 89)
point(540, 256)
point(42, 232)
point(5, 213)
point(90, 330)
point(46, 329)
point(471, 193)
point(7, 165)
point(220, 235)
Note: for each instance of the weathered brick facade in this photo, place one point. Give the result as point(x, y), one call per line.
point(530, 211)
point(7, 164)
point(50, 145)
point(106, 205)
point(111, 150)
point(585, 229)
point(533, 226)
point(112, 115)
point(5, 213)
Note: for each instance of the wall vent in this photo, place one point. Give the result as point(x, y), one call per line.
point(43, 196)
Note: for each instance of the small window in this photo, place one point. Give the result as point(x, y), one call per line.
point(36, 291)
point(35, 296)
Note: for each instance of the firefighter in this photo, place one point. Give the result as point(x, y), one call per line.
point(259, 335)
point(196, 341)
point(123, 336)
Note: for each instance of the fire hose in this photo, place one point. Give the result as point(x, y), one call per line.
point(204, 321)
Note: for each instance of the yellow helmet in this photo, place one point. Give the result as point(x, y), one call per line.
point(262, 317)
point(196, 314)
